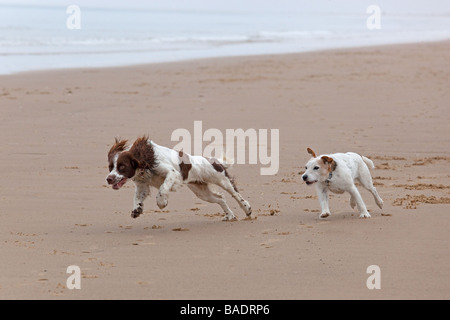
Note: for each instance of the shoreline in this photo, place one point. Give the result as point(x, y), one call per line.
point(389, 103)
point(237, 56)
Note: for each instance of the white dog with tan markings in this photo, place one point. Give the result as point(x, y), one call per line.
point(337, 173)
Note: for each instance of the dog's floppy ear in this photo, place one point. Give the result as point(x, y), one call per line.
point(120, 142)
point(134, 163)
point(311, 152)
point(118, 146)
point(330, 161)
point(326, 159)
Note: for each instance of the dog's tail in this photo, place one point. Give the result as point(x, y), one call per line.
point(225, 161)
point(368, 162)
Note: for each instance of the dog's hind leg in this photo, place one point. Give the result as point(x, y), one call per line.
point(226, 184)
point(359, 202)
point(366, 181)
point(222, 179)
point(205, 193)
point(375, 194)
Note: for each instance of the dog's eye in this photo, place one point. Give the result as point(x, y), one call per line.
point(110, 167)
point(121, 167)
point(306, 168)
point(316, 168)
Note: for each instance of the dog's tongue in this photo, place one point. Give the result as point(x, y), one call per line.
point(119, 184)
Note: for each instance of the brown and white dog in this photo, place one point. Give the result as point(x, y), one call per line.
point(337, 173)
point(150, 165)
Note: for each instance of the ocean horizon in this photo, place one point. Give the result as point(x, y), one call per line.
point(40, 37)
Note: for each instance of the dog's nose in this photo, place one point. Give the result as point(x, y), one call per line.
point(110, 180)
point(305, 177)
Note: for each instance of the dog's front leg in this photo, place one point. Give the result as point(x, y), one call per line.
point(322, 193)
point(141, 192)
point(162, 198)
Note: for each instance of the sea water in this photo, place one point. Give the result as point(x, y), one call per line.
point(36, 36)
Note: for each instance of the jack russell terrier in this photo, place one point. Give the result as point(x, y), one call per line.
point(337, 173)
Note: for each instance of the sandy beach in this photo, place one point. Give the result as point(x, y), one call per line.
point(388, 103)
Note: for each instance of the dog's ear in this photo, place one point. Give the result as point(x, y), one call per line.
point(120, 141)
point(118, 146)
point(326, 160)
point(311, 152)
point(330, 161)
point(134, 163)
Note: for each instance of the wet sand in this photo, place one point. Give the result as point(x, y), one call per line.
point(389, 103)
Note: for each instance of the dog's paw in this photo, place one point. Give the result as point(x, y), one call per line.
point(380, 204)
point(162, 201)
point(229, 217)
point(136, 212)
point(247, 208)
point(364, 215)
point(324, 215)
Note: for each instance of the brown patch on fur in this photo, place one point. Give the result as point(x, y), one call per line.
point(326, 159)
point(220, 168)
point(311, 152)
point(184, 167)
point(201, 183)
point(118, 146)
point(184, 170)
point(331, 163)
point(143, 153)
point(127, 164)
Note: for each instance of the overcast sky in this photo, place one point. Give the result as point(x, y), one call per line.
point(348, 6)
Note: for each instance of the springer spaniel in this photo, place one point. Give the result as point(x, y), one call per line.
point(152, 165)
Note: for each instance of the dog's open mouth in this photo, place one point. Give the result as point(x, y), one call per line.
point(310, 182)
point(118, 185)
